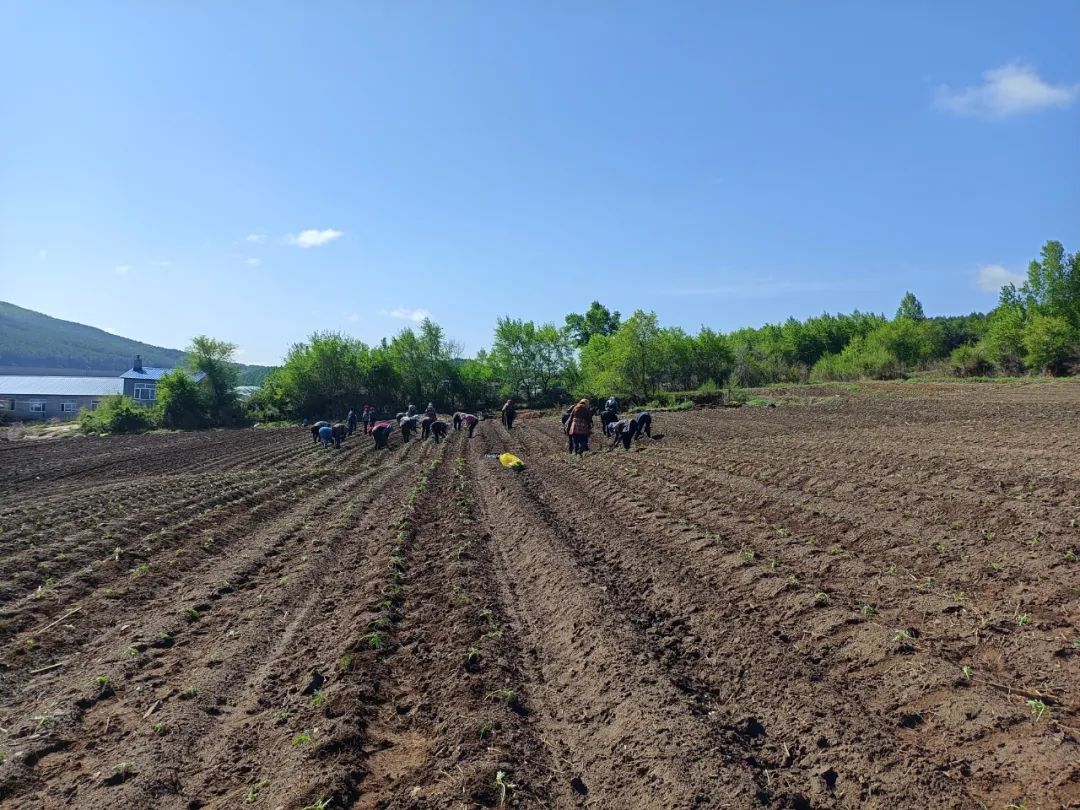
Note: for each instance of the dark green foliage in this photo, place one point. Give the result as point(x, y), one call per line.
point(214, 358)
point(182, 403)
point(117, 414)
point(971, 361)
point(597, 320)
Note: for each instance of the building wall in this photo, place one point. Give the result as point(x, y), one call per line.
point(129, 390)
point(24, 413)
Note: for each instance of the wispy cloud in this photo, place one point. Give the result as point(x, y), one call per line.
point(763, 288)
point(122, 269)
point(407, 314)
point(313, 237)
point(992, 277)
point(252, 261)
point(1011, 89)
point(255, 238)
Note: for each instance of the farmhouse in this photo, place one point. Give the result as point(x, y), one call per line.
point(140, 382)
point(26, 398)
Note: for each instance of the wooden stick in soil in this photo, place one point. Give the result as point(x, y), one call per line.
point(46, 669)
point(53, 624)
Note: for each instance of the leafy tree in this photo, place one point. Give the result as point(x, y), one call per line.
point(1004, 341)
point(422, 361)
point(910, 308)
point(713, 358)
point(215, 359)
point(597, 320)
point(182, 403)
point(531, 360)
point(1051, 342)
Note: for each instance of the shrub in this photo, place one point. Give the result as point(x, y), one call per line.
point(182, 402)
point(1050, 342)
point(117, 414)
point(971, 361)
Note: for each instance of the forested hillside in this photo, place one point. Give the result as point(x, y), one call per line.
point(33, 343)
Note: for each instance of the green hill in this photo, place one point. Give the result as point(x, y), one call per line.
point(33, 343)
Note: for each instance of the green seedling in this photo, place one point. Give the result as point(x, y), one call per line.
point(485, 730)
point(902, 636)
point(345, 663)
point(1038, 709)
point(792, 580)
point(382, 623)
point(283, 580)
point(192, 614)
point(747, 554)
point(131, 652)
point(959, 596)
point(1023, 619)
point(104, 684)
point(317, 699)
point(303, 738)
point(496, 633)
point(996, 566)
point(320, 804)
point(472, 657)
point(821, 598)
point(867, 610)
point(140, 570)
point(375, 640)
point(190, 692)
point(505, 695)
point(44, 721)
point(252, 794)
point(123, 770)
point(1071, 555)
point(966, 670)
point(158, 728)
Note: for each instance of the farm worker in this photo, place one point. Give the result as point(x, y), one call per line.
point(425, 425)
point(612, 405)
point(457, 420)
point(644, 423)
point(508, 413)
point(469, 421)
point(408, 425)
point(579, 426)
point(411, 411)
point(429, 410)
point(340, 432)
point(569, 438)
point(350, 420)
point(380, 432)
point(365, 417)
point(624, 430)
point(326, 433)
point(315, 430)
point(438, 430)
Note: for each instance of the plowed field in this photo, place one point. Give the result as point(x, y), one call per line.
point(872, 601)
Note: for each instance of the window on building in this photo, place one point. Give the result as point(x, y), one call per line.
point(145, 392)
point(4, 405)
point(37, 406)
point(67, 407)
point(94, 404)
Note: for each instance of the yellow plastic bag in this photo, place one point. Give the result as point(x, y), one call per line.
point(511, 461)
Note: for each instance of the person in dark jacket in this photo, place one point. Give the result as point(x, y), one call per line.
point(425, 425)
point(509, 411)
point(644, 424)
point(579, 426)
point(326, 434)
point(315, 430)
point(430, 409)
point(350, 420)
point(341, 430)
point(469, 421)
point(380, 432)
point(457, 420)
point(438, 430)
point(408, 426)
point(624, 430)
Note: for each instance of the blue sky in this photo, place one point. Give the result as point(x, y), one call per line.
point(256, 171)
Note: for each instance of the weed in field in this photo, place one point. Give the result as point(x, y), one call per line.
point(104, 685)
point(302, 738)
point(868, 610)
point(344, 663)
point(821, 599)
point(1038, 709)
point(375, 640)
point(317, 699)
point(504, 787)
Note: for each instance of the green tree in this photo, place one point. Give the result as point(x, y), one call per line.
point(531, 360)
point(1051, 342)
point(1004, 341)
point(182, 402)
point(214, 358)
point(910, 308)
point(423, 361)
point(597, 320)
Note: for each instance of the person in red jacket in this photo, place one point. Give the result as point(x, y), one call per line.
point(469, 421)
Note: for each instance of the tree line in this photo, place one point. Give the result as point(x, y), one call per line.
point(1034, 329)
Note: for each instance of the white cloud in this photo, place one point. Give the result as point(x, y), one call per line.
point(313, 237)
point(122, 269)
point(407, 314)
point(251, 261)
point(1011, 89)
point(992, 277)
point(255, 238)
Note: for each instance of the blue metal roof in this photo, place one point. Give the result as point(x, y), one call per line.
point(153, 374)
point(20, 386)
